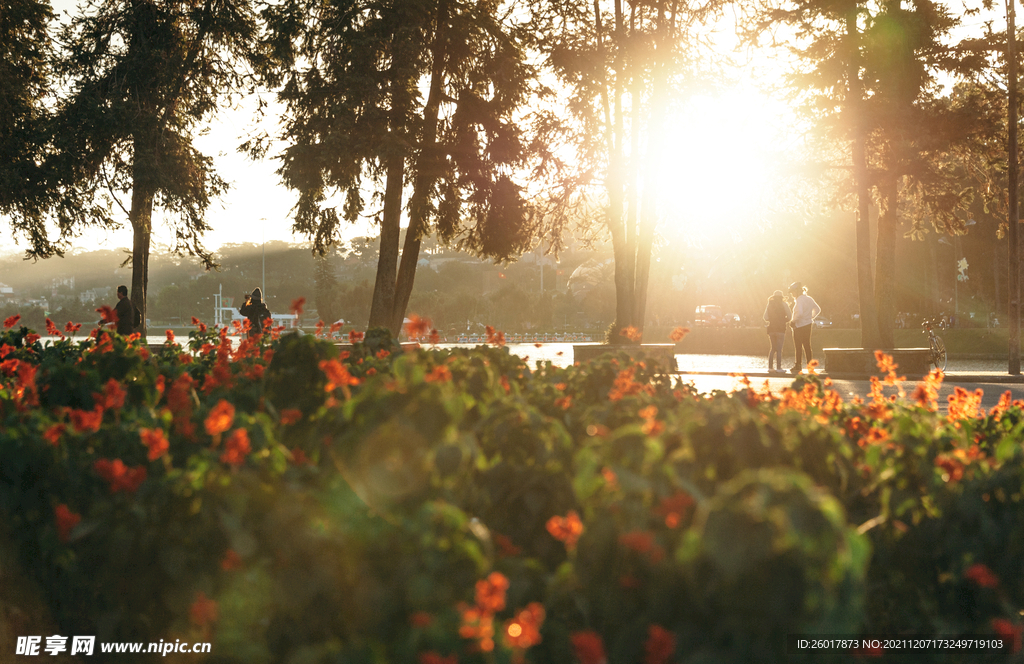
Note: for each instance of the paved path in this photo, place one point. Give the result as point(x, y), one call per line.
point(992, 385)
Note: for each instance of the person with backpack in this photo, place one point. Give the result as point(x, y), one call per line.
point(128, 316)
point(256, 311)
point(777, 315)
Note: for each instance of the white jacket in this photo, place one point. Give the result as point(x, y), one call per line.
point(805, 310)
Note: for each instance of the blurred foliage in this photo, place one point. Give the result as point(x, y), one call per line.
point(290, 501)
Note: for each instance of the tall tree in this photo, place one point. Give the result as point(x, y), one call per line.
point(142, 75)
point(872, 84)
point(620, 66)
point(353, 76)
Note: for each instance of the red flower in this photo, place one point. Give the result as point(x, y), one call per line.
point(11, 321)
point(107, 315)
point(496, 337)
point(337, 375)
point(53, 433)
point(298, 305)
point(31, 338)
point(589, 647)
point(66, 521)
point(71, 328)
point(355, 337)
point(1009, 631)
point(417, 327)
point(566, 529)
point(674, 507)
point(980, 574)
point(120, 476)
point(220, 418)
point(236, 447)
point(640, 541)
point(231, 561)
point(290, 416)
point(113, 395)
point(434, 338)
point(203, 610)
point(439, 374)
point(170, 336)
point(52, 329)
point(155, 440)
point(660, 645)
point(86, 421)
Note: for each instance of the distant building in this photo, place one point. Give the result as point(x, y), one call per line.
point(6, 292)
point(95, 294)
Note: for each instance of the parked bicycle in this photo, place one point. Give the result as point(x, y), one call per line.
point(937, 354)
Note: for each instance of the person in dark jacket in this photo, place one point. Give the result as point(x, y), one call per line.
point(125, 311)
point(777, 315)
point(256, 311)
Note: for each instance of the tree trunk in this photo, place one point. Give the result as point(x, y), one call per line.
point(426, 175)
point(390, 229)
point(869, 332)
point(885, 261)
point(648, 213)
point(141, 218)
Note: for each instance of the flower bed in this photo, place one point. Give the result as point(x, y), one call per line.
point(288, 502)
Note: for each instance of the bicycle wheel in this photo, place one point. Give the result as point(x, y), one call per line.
point(938, 353)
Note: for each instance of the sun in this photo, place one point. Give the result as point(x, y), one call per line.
point(720, 156)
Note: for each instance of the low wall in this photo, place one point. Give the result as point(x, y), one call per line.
point(861, 363)
point(664, 354)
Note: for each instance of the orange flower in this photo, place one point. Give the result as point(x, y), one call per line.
point(220, 418)
point(298, 306)
point(199, 324)
point(53, 433)
point(588, 647)
point(566, 529)
point(417, 327)
point(625, 385)
point(203, 610)
point(337, 376)
point(71, 328)
point(119, 476)
point(236, 447)
point(335, 327)
point(355, 337)
point(320, 328)
point(66, 521)
point(434, 338)
point(231, 561)
point(660, 645)
point(679, 334)
point(107, 315)
point(85, 421)
point(170, 336)
point(523, 631)
point(980, 574)
point(496, 337)
point(954, 469)
point(874, 437)
point(439, 374)
point(565, 403)
point(964, 405)
point(52, 329)
point(490, 592)
point(11, 321)
point(631, 333)
point(155, 440)
point(477, 624)
point(113, 395)
point(290, 416)
point(674, 507)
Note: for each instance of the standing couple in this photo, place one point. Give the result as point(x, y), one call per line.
point(778, 314)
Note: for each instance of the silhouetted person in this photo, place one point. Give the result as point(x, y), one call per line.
point(125, 311)
point(805, 310)
point(777, 315)
point(256, 311)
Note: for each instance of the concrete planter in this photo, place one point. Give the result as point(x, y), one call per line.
point(914, 363)
point(663, 354)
